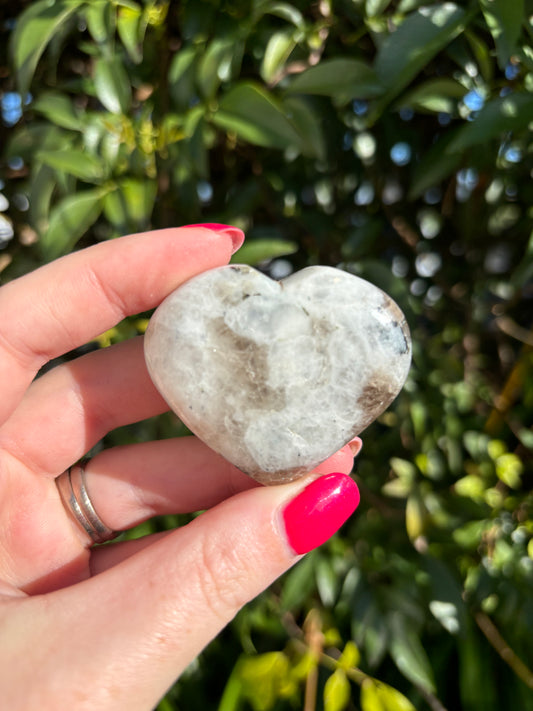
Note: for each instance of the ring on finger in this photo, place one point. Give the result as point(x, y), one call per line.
point(75, 497)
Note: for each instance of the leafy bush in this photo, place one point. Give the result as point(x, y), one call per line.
point(392, 139)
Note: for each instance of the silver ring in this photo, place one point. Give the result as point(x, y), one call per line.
point(75, 498)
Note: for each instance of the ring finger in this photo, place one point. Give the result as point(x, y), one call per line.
point(132, 483)
point(125, 485)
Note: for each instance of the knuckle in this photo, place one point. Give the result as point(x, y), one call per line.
point(110, 295)
point(223, 576)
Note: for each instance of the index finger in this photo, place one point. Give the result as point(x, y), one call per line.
point(64, 304)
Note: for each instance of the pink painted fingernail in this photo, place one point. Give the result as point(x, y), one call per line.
point(319, 511)
point(235, 233)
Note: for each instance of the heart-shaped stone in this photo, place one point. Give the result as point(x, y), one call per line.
point(277, 376)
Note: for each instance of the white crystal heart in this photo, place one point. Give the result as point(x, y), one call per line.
point(277, 376)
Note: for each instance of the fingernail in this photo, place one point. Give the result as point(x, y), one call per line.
point(235, 233)
point(319, 511)
point(356, 445)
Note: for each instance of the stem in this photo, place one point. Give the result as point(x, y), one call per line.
point(511, 328)
point(354, 674)
point(315, 641)
point(431, 700)
point(510, 392)
point(326, 660)
point(510, 657)
point(358, 677)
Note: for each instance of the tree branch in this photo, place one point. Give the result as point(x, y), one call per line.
point(489, 629)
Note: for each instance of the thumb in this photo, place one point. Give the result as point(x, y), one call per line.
point(147, 618)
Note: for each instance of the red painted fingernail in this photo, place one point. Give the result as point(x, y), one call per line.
point(319, 511)
point(235, 233)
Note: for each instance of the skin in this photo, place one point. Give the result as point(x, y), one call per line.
point(112, 627)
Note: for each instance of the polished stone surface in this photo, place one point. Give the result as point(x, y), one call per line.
point(277, 376)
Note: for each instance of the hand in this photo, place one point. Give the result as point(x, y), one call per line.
point(111, 627)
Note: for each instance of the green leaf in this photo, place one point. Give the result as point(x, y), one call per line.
point(218, 64)
point(35, 28)
point(406, 6)
point(285, 11)
point(360, 240)
point(408, 653)
point(374, 8)
point(350, 656)
point(524, 272)
point(436, 165)
point(435, 95)
point(265, 678)
point(278, 50)
point(129, 31)
point(100, 16)
point(129, 4)
point(509, 469)
point(499, 116)
point(416, 515)
point(470, 534)
point(42, 187)
point(375, 636)
point(327, 581)
point(419, 415)
point(308, 125)
point(165, 705)
point(376, 696)
point(140, 197)
point(75, 162)
point(69, 220)
point(447, 603)
point(397, 488)
point(403, 468)
point(181, 77)
point(231, 696)
point(342, 78)
point(130, 205)
point(504, 18)
point(255, 251)
point(58, 109)
point(482, 55)
point(298, 584)
point(181, 64)
point(524, 435)
point(114, 207)
point(477, 680)
point(370, 699)
point(336, 691)
point(407, 50)
point(112, 85)
point(256, 116)
point(29, 139)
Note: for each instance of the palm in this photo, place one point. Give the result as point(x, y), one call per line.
point(50, 423)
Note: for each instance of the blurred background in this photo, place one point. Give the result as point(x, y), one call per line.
point(389, 138)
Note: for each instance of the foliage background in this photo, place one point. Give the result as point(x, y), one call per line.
point(390, 138)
